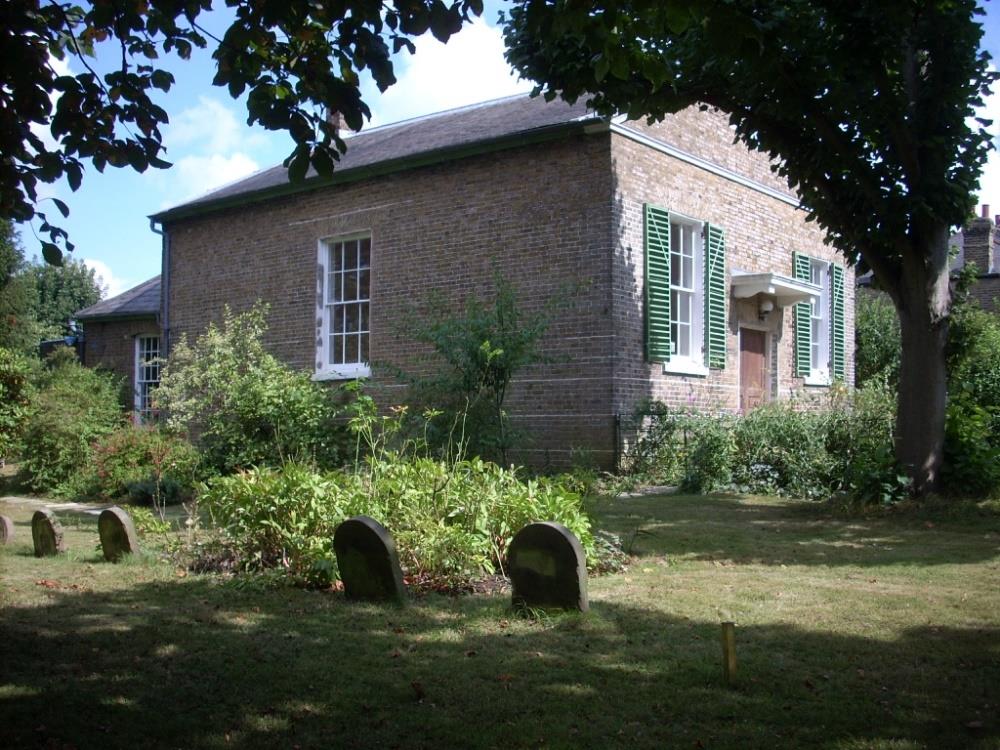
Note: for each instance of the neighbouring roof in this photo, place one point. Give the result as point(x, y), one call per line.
point(422, 140)
point(141, 301)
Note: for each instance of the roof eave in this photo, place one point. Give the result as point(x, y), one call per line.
point(116, 317)
point(538, 135)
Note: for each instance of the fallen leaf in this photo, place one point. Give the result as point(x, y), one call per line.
point(48, 584)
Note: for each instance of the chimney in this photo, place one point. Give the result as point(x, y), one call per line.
point(335, 120)
point(977, 241)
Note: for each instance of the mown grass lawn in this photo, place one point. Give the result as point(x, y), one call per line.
point(881, 633)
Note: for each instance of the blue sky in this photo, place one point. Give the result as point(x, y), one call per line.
point(210, 144)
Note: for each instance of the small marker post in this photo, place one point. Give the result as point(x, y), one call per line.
point(729, 652)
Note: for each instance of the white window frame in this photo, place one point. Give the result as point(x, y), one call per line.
point(820, 274)
point(324, 305)
point(142, 385)
point(694, 362)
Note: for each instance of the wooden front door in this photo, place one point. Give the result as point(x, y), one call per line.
point(753, 369)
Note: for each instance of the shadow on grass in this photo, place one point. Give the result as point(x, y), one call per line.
point(787, 532)
point(194, 664)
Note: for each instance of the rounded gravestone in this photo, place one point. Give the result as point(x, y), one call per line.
point(6, 530)
point(547, 568)
point(47, 533)
point(117, 533)
point(367, 559)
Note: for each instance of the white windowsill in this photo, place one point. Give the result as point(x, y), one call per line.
point(684, 366)
point(820, 377)
point(343, 372)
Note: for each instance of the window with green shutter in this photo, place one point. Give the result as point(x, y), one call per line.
point(802, 271)
point(838, 344)
point(685, 292)
point(820, 334)
point(715, 296)
point(656, 232)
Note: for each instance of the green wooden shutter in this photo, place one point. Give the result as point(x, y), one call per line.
point(656, 228)
point(801, 267)
point(715, 296)
point(837, 343)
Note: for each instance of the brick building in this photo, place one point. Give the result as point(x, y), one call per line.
point(123, 335)
point(677, 258)
point(978, 242)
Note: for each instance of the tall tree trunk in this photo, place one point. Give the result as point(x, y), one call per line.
point(923, 301)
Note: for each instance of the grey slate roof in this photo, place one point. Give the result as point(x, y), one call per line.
point(439, 133)
point(138, 302)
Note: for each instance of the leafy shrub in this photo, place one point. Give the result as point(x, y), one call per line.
point(709, 459)
point(73, 407)
point(15, 389)
point(972, 433)
point(972, 458)
point(147, 523)
point(658, 452)
point(480, 350)
point(783, 451)
point(281, 517)
point(242, 406)
point(877, 339)
point(776, 449)
point(860, 427)
point(451, 520)
point(144, 463)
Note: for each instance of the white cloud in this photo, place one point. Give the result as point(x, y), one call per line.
point(469, 69)
point(110, 284)
point(196, 175)
point(209, 147)
point(61, 68)
point(210, 127)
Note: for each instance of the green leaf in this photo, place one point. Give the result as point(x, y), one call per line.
point(298, 166)
point(52, 254)
point(601, 68)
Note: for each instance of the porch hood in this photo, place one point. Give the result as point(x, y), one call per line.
point(783, 290)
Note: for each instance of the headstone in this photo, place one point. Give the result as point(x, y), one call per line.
point(6, 530)
point(47, 533)
point(117, 532)
point(547, 568)
point(369, 565)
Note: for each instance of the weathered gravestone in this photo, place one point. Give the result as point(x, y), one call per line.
point(6, 530)
point(547, 568)
point(47, 533)
point(117, 532)
point(369, 565)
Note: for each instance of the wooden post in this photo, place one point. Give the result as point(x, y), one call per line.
point(729, 652)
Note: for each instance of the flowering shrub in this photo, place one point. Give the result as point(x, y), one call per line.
point(144, 463)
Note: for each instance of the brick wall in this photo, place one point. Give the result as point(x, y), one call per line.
point(110, 345)
point(761, 234)
point(540, 214)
